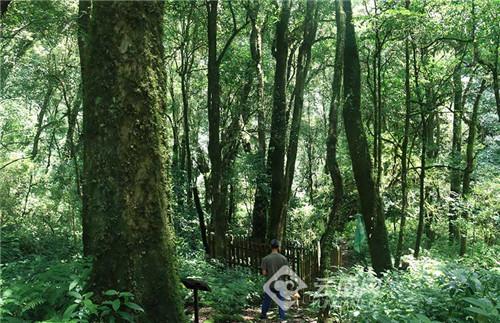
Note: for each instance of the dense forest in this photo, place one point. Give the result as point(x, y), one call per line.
point(148, 144)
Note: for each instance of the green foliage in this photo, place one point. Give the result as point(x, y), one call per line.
point(483, 309)
point(39, 289)
point(116, 306)
point(233, 289)
point(430, 290)
point(36, 288)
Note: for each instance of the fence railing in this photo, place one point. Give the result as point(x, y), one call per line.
point(243, 251)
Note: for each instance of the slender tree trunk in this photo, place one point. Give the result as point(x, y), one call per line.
point(187, 146)
point(310, 158)
point(421, 210)
point(423, 154)
point(83, 29)
point(466, 187)
point(177, 151)
point(377, 118)
point(44, 108)
point(125, 187)
point(431, 152)
point(496, 91)
point(214, 146)
point(327, 239)
point(276, 154)
point(303, 63)
point(358, 148)
point(69, 146)
point(455, 156)
point(404, 153)
point(201, 218)
point(261, 203)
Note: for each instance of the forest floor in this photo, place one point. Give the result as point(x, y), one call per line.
point(252, 314)
point(293, 315)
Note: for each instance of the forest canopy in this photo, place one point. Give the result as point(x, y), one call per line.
point(146, 142)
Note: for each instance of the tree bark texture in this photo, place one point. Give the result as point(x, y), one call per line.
point(373, 215)
point(126, 200)
point(276, 152)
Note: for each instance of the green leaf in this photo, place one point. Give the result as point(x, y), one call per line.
point(134, 306)
point(478, 310)
point(116, 304)
point(126, 316)
point(75, 294)
point(68, 313)
point(110, 292)
point(73, 284)
point(88, 295)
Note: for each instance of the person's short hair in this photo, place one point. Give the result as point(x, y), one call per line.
point(275, 243)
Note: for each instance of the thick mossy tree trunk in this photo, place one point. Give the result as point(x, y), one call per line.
point(360, 156)
point(125, 188)
point(333, 224)
point(276, 154)
point(456, 151)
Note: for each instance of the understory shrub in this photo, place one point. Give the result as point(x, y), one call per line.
point(233, 289)
point(36, 288)
point(429, 290)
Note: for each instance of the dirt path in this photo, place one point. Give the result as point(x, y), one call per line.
point(293, 315)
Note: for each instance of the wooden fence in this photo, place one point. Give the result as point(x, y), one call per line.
point(304, 260)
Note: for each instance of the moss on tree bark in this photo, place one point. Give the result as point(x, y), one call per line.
point(126, 200)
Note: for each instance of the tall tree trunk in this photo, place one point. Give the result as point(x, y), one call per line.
point(214, 146)
point(303, 63)
point(276, 154)
point(310, 158)
point(327, 239)
point(201, 218)
point(187, 147)
point(261, 203)
point(358, 148)
point(455, 156)
point(125, 187)
point(466, 187)
point(471, 140)
point(423, 154)
point(421, 210)
point(40, 126)
point(431, 152)
point(496, 91)
point(177, 151)
point(83, 21)
point(70, 147)
point(404, 152)
point(377, 106)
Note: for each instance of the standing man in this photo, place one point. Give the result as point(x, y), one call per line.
point(270, 265)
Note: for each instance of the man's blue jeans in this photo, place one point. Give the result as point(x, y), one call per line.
point(266, 303)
